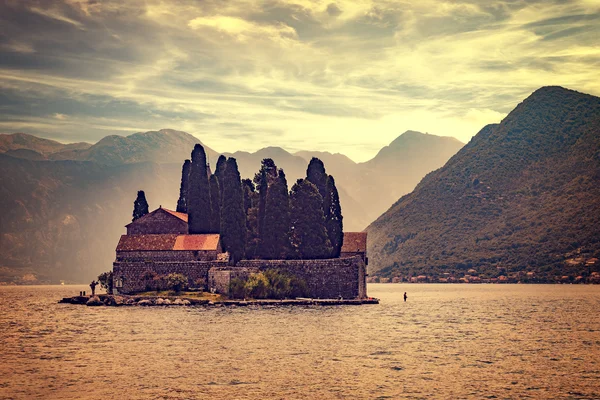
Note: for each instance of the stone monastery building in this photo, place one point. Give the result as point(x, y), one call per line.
point(159, 244)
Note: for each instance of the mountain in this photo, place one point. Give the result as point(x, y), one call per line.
point(398, 168)
point(60, 219)
point(164, 146)
point(46, 147)
point(520, 196)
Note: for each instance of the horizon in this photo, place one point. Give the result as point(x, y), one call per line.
point(293, 74)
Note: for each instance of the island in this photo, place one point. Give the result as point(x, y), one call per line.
point(232, 240)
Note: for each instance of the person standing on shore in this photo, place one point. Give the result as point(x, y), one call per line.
point(405, 296)
point(93, 287)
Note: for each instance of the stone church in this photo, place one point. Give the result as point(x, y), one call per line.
point(158, 244)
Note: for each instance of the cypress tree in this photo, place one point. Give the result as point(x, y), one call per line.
point(183, 189)
point(333, 223)
point(309, 235)
point(215, 204)
point(249, 189)
point(268, 166)
point(251, 209)
point(262, 202)
point(199, 211)
point(233, 218)
point(140, 205)
point(275, 242)
point(219, 169)
point(315, 174)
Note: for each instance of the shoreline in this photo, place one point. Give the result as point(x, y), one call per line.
point(164, 301)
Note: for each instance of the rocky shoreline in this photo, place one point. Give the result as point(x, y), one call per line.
point(164, 301)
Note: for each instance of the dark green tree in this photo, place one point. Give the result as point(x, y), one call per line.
point(140, 205)
point(267, 165)
point(219, 169)
point(263, 179)
point(275, 240)
point(333, 222)
point(309, 235)
point(263, 186)
point(251, 209)
point(233, 217)
point(249, 190)
point(215, 204)
point(199, 211)
point(183, 189)
point(315, 174)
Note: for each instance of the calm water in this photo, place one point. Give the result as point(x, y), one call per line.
point(447, 341)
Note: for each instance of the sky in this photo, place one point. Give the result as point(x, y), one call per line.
point(338, 76)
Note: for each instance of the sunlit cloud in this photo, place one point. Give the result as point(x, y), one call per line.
point(343, 75)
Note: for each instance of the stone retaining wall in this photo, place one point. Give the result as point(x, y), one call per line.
point(326, 279)
point(219, 278)
point(167, 255)
point(131, 273)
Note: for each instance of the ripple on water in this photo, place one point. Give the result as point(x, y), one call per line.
point(447, 341)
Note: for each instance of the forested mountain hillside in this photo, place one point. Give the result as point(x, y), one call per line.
point(60, 219)
point(520, 196)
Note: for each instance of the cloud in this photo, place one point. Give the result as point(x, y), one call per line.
point(333, 10)
point(243, 30)
point(345, 75)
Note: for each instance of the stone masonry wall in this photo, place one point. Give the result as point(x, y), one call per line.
point(167, 255)
point(131, 272)
point(219, 278)
point(326, 279)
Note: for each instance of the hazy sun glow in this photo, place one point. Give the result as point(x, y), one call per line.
point(343, 76)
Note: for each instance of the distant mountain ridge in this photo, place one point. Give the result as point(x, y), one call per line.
point(45, 147)
point(521, 195)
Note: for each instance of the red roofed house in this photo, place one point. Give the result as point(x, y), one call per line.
point(159, 243)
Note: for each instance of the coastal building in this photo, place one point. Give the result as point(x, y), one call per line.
point(355, 244)
point(158, 244)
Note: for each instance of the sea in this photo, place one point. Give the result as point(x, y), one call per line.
point(446, 341)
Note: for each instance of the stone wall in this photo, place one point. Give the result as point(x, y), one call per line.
point(219, 278)
point(131, 273)
point(167, 255)
point(353, 254)
point(326, 279)
point(159, 222)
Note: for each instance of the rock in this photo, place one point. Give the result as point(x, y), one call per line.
point(160, 301)
point(94, 301)
point(145, 303)
point(130, 301)
point(177, 302)
point(167, 302)
point(185, 302)
point(114, 301)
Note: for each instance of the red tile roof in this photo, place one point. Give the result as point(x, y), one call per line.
point(355, 242)
point(168, 242)
point(197, 242)
point(180, 215)
point(146, 242)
